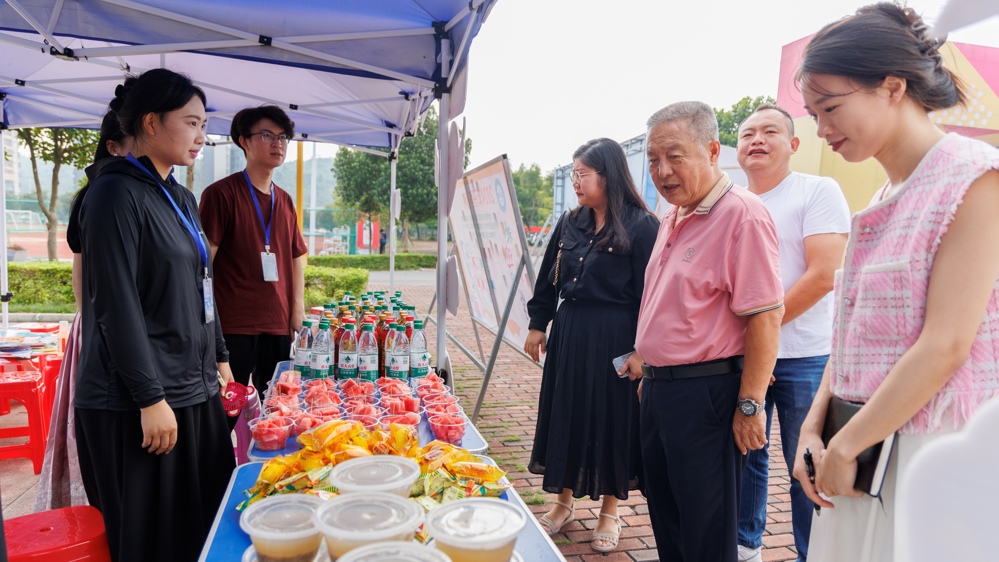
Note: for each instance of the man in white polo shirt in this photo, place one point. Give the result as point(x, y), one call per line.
point(812, 220)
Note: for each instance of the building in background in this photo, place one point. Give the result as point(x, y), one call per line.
point(11, 163)
point(978, 68)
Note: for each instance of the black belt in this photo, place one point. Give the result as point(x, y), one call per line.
point(695, 370)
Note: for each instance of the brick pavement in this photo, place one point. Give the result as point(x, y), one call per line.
point(507, 421)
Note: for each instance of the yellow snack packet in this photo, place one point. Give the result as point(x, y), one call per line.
point(452, 493)
point(404, 438)
point(427, 503)
point(435, 483)
point(480, 472)
point(350, 452)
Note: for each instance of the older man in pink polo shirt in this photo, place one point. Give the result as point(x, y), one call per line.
point(708, 333)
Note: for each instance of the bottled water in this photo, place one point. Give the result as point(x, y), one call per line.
point(367, 360)
point(419, 357)
point(303, 349)
point(399, 355)
point(322, 352)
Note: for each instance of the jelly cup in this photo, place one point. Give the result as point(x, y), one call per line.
point(395, 551)
point(379, 473)
point(283, 528)
point(351, 521)
point(476, 529)
point(271, 434)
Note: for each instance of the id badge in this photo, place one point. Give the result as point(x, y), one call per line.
point(206, 283)
point(269, 263)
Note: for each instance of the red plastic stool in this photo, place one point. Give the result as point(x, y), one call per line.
point(49, 364)
point(13, 365)
point(26, 387)
point(70, 533)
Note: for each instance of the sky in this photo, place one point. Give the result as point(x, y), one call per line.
point(545, 76)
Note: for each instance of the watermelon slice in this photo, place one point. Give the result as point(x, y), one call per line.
point(449, 428)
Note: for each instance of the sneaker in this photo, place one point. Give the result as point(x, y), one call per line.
point(749, 554)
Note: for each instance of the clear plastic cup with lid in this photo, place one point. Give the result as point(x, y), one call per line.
point(282, 528)
point(477, 529)
point(351, 521)
point(395, 551)
point(377, 473)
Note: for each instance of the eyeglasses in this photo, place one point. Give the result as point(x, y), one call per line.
point(576, 177)
point(269, 137)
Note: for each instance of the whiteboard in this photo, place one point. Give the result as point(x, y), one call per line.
point(490, 244)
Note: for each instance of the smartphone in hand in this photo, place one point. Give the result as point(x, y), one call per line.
point(618, 363)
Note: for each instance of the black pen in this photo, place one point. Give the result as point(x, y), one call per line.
point(810, 471)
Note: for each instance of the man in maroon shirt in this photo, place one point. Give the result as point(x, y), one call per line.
point(258, 251)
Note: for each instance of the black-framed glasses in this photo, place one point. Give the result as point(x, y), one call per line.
point(270, 137)
point(576, 177)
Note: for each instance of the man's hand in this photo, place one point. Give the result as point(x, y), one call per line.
point(750, 431)
point(297, 317)
point(632, 367)
point(535, 344)
point(159, 428)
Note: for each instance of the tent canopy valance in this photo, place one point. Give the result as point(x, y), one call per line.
point(352, 73)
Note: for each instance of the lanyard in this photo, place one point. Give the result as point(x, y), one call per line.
point(260, 214)
point(187, 220)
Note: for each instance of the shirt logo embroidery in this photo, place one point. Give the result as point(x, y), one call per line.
point(690, 253)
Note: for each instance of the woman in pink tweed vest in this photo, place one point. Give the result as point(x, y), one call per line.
point(916, 336)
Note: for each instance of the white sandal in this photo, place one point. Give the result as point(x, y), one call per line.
point(550, 526)
point(611, 538)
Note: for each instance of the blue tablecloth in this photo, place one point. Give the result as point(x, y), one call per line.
point(227, 542)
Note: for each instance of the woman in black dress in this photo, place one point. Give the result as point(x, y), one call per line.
point(587, 442)
point(152, 437)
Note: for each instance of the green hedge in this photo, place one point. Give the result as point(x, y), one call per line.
point(376, 262)
point(41, 283)
point(324, 285)
point(51, 284)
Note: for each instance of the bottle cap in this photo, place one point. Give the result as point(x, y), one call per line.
point(418, 324)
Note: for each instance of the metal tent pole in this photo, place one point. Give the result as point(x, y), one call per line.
point(3, 232)
point(312, 207)
point(393, 211)
point(442, 196)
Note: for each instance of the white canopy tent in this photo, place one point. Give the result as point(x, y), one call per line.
point(356, 73)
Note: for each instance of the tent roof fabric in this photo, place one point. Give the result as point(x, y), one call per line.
point(357, 73)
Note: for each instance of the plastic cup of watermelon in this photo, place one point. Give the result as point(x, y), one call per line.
point(440, 399)
point(271, 433)
point(400, 403)
point(449, 428)
point(443, 408)
point(361, 410)
point(430, 390)
point(369, 422)
point(409, 418)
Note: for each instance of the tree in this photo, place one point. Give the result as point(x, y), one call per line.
point(534, 193)
point(73, 147)
point(363, 179)
point(730, 119)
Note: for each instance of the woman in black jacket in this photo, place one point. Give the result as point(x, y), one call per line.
point(152, 437)
point(587, 442)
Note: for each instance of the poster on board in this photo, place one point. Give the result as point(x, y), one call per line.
point(490, 242)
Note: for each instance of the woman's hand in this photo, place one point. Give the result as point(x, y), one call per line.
point(159, 428)
point(813, 443)
point(836, 472)
point(535, 344)
point(226, 374)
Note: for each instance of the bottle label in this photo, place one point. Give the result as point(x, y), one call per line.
point(367, 366)
point(321, 365)
point(420, 361)
point(303, 361)
point(347, 369)
point(398, 366)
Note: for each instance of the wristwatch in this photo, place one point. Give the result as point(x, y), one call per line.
point(749, 407)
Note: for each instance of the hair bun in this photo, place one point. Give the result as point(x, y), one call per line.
point(120, 93)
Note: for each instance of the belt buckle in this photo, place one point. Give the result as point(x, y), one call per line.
point(647, 372)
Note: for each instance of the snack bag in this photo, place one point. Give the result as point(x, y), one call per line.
point(478, 472)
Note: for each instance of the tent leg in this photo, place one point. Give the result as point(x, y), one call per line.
point(3, 237)
point(312, 206)
point(393, 211)
point(443, 189)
